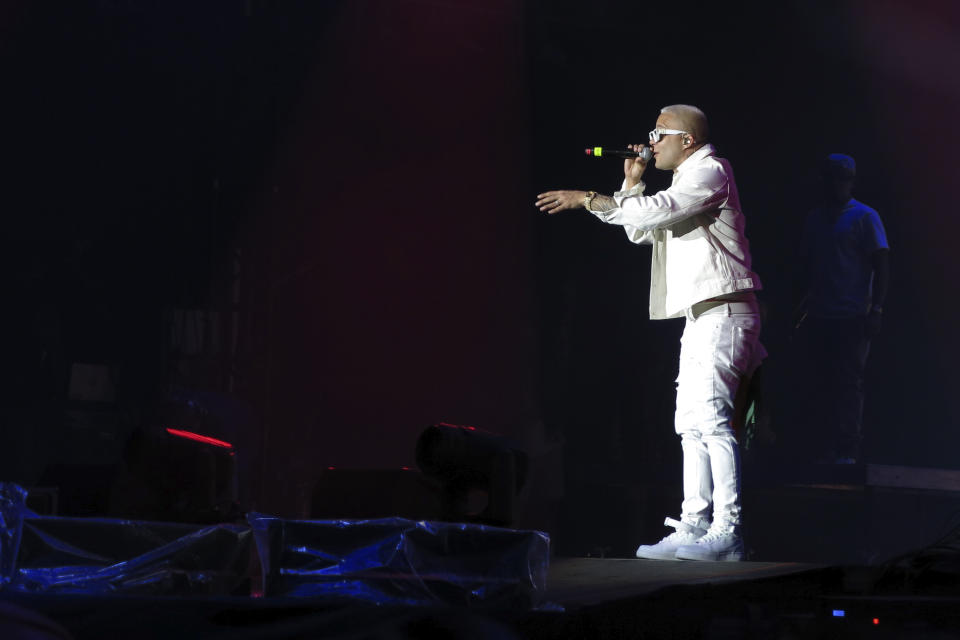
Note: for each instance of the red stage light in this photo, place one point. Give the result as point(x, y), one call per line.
point(456, 426)
point(189, 435)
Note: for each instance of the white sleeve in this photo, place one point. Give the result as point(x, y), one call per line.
point(697, 190)
point(633, 234)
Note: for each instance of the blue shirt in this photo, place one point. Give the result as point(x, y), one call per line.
point(839, 256)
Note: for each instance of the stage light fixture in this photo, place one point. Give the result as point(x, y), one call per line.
point(178, 467)
point(464, 458)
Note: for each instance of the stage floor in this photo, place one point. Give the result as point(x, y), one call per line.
point(581, 582)
point(601, 598)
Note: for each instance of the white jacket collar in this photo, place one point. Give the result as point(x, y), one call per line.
point(701, 153)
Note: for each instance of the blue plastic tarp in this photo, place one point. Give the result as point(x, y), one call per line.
point(12, 511)
point(102, 555)
point(390, 561)
point(403, 562)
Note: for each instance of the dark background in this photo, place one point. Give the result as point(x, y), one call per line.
point(336, 200)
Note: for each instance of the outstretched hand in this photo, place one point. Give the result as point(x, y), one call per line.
point(557, 201)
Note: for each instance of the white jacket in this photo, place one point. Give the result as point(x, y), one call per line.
point(697, 232)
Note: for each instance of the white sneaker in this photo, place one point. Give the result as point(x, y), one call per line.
point(723, 544)
point(666, 549)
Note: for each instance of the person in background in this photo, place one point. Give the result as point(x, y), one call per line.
point(845, 272)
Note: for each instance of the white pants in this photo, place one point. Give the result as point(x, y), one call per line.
point(719, 350)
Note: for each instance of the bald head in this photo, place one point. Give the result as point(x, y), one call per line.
point(689, 118)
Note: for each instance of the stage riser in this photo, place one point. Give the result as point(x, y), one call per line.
point(845, 525)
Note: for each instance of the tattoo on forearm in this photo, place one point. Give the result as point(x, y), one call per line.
point(602, 203)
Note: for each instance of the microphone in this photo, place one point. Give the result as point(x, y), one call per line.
point(599, 152)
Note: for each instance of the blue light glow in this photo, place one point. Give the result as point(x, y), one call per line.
point(839, 613)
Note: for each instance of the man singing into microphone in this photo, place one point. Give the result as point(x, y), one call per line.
point(700, 271)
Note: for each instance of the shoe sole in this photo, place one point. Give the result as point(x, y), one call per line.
point(730, 556)
point(651, 556)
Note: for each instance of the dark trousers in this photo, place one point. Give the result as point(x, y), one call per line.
point(838, 350)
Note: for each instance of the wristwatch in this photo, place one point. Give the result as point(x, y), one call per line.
point(588, 198)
